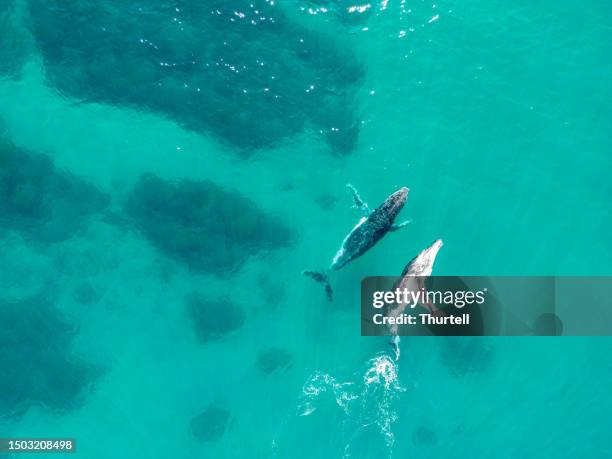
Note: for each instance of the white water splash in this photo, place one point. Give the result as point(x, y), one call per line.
point(367, 401)
point(319, 383)
point(383, 370)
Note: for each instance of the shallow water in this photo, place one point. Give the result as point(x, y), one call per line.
point(496, 116)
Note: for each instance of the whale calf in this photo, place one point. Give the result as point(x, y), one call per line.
point(413, 279)
point(369, 230)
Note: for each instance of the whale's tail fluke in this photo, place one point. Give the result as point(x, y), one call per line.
point(322, 278)
point(395, 343)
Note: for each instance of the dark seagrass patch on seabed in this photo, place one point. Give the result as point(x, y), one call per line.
point(210, 424)
point(241, 70)
point(40, 201)
point(85, 294)
point(213, 319)
point(466, 354)
point(424, 436)
point(208, 228)
point(15, 43)
point(38, 367)
point(272, 359)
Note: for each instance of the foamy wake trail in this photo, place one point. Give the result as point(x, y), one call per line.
point(367, 401)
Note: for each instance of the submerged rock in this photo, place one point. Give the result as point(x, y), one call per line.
point(273, 359)
point(24, 271)
point(40, 201)
point(201, 224)
point(85, 294)
point(241, 70)
point(214, 319)
point(37, 365)
point(210, 424)
point(424, 436)
point(14, 40)
point(466, 354)
point(325, 201)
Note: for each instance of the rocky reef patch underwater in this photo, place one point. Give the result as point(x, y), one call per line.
point(244, 70)
point(210, 424)
point(212, 320)
point(203, 225)
point(38, 366)
point(40, 201)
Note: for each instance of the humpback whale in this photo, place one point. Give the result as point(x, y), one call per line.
point(413, 278)
point(370, 229)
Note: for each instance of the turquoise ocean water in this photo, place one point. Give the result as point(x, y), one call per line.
point(168, 169)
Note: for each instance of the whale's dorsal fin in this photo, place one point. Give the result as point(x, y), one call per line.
point(358, 202)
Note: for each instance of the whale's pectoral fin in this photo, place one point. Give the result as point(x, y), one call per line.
point(401, 225)
point(359, 203)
